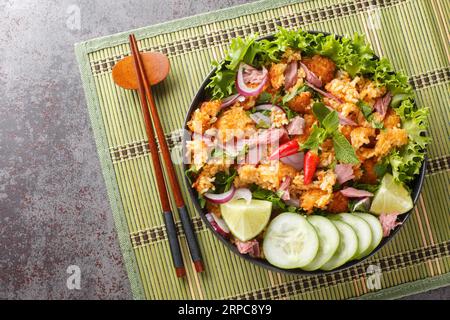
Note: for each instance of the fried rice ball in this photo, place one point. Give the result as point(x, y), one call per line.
point(301, 103)
point(338, 204)
point(203, 117)
point(321, 66)
point(369, 176)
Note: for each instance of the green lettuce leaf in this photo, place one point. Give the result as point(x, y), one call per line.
point(222, 83)
point(406, 162)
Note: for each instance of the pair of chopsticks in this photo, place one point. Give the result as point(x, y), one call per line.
point(146, 97)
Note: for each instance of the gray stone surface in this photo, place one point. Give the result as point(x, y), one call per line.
point(54, 210)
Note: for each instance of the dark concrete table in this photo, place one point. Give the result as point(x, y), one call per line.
point(54, 210)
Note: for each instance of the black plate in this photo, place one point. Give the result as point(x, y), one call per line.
point(416, 188)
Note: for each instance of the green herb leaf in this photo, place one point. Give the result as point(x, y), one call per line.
point(290, 114)
point(262, 125)
point(201, 201)
point(375, 124)
point(242, 153)
point(264, 97)
point(223, 180)
point(320, 111)
point(365, 108)
point(329, 119)
point(367, 111)
point(291, 94)
point(275, 98)
point(368, 187)
point(315, 139)
point(343, 149)
point(192, 173)
point(331, 122)
point(277, 204)
point(267, 113)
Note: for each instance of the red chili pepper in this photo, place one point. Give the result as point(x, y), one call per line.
point(285, 150)
point(310, 163)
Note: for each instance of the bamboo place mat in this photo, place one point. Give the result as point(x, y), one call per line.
point(413, 34)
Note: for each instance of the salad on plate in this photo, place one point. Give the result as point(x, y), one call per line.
point(306, 151)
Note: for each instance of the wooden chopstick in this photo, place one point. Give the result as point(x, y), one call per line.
point(168, 217)
point(184, 215)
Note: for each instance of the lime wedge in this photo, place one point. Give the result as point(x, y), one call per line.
point(391, 197)
point(246, 221)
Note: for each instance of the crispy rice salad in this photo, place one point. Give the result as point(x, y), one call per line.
point(306, 151)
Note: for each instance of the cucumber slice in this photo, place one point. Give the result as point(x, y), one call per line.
point(362, 230)
point(290, 241)
point(348, 245)
point(328, 241)
point(375, 226)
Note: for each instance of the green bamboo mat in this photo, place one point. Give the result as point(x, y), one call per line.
point(413, 34)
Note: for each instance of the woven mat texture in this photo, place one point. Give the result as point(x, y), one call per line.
point(413, 34)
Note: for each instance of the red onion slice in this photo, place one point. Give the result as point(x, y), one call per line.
point(344, 172)
point(346, 121)
point(382, 104)
point(243, 193)
point(221, 197)
point(324, 93)
point(284, 188)
point(218, 225)
point(252, 75)
point(290, 75)
point(356, 193)
point(311, 77)
point(242, 87)
point(296, 126)
point(231, 100)
point(295, 160)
